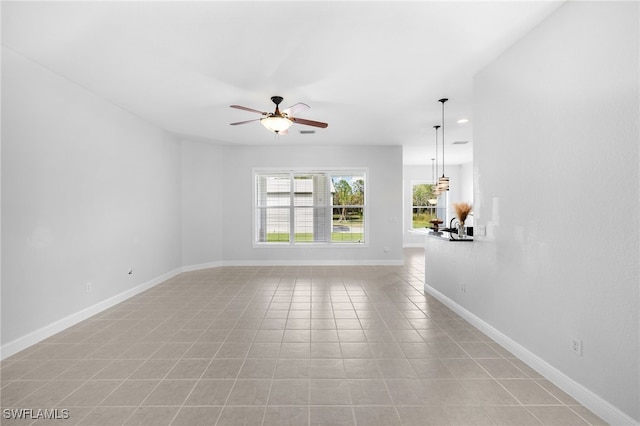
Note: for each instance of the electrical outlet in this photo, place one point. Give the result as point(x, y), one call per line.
point(576, 346)
point(463, 287)
point(481, 231)
point(87, 288)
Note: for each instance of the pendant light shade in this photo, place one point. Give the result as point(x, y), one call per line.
point(443, 181)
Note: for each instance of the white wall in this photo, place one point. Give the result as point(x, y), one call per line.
point(466, 187)
point(562, 252)
point(202, 194)
point(384, 201)
point(88, 192)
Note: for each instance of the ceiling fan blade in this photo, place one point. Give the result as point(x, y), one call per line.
point(244, 122)
point(248, 109)
point(293, 110)
point(308, 122)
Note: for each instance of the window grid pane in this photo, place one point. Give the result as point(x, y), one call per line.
point(311, 224)
point(350, 229)
point(273, 224)
point(273, 190)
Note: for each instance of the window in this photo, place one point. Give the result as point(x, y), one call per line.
point(305, 207)
point(422, 210)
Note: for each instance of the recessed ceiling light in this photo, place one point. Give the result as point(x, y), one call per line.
point(307, 132)
point(463, 120)
point(460, 142)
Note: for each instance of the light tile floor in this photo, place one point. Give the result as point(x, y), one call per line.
point(282, 346)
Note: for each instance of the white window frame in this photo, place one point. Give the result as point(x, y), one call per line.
point(331, 171)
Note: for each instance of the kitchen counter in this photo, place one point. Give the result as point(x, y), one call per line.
point(440, 235)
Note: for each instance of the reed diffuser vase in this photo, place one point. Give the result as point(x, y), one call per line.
point(462, 231)
point(462, 211)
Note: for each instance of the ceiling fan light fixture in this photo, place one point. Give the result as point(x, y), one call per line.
point(276, 124)
point(279, 122)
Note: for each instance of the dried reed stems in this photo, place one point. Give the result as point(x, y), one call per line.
point(462, 211)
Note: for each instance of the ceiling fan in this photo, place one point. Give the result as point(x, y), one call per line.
point(280, 121)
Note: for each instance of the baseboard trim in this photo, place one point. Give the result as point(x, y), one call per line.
point(349, 262)
point(413, 245)
point(201, 266)
point(584, 396)
point(21, 343)
point(314, 263)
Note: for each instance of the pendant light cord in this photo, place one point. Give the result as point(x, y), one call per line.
point(436, 127)
point(443, 100)
point(433, 173)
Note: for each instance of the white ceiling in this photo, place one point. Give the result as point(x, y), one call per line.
point(373, 70)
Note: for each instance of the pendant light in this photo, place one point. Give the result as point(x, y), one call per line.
point(443, 182)
point(436, 189)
